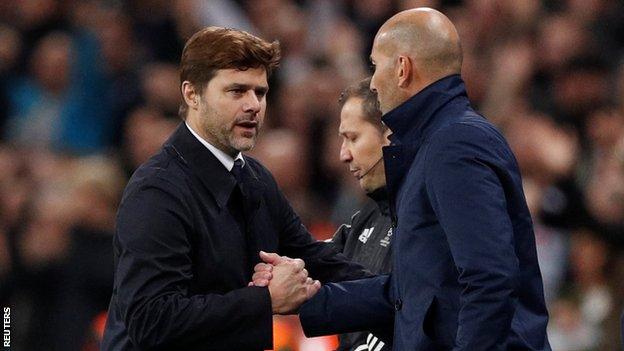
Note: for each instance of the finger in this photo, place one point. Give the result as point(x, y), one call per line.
point(261, 282)
point(271, 258)
point(308, 281)
point(301, 277)
point(263, 267)
point(250, 284)
point(299, 264)
point(312, 289)
point(262, 275)
point(305, 272)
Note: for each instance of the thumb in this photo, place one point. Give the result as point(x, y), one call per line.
point(270, 257)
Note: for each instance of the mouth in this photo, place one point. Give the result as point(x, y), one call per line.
point(354, 172)
point(249, 128)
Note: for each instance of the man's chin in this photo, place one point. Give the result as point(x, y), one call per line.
point(365, 185)
point(244, 145)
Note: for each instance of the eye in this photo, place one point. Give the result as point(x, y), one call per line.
point(237, 91)
point(261, 93)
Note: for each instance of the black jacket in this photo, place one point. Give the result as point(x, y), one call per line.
point(183, 258)
point(367, 240)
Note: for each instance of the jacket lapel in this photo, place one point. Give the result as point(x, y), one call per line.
point(203, 164)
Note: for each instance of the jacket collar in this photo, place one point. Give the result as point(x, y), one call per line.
point(202, 163)
point(411, 120)
point(380, 196)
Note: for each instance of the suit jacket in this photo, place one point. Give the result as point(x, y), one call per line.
point(183, 258)
point(465, 272)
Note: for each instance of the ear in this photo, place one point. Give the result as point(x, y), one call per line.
point(405, 71)
point(386, 135)
point(189, 94)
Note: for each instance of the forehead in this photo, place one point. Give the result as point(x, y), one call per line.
point(380, 45)
point(253, 76)
point(352, 114)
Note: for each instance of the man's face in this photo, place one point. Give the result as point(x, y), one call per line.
point(384, 81)
point(232, 108)
point(361, 146)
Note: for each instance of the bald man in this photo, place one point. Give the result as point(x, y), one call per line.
point(465, 273)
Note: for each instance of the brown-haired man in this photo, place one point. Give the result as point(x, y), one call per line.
point(367, 238)
point(195, 216)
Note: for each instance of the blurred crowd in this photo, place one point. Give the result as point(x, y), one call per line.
point(89, 90)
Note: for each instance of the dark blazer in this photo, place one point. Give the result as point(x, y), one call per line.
point(465, 273)
point(183, 258)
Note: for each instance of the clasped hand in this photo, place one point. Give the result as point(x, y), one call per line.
point(287, 280)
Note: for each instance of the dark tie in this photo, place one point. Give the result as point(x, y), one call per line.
point(237, 171)
point(237, 209)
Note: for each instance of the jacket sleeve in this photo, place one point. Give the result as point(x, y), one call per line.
point(322, 260)
point(342, 234)
point(465, 169)
point(350, 306)
point(153, 275)
point(340, 237)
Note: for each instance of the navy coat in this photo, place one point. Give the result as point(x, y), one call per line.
point(183, 261)
point(465, 272)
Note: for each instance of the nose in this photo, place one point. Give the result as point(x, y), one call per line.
point(252, 103)
point(372, 86)
point(345, 154)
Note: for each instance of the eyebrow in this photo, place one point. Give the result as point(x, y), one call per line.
point(260, 88)
point(345, 132)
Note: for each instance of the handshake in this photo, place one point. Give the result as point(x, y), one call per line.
point(287, 280)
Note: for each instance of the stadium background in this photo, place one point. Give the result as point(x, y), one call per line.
point(89, 90)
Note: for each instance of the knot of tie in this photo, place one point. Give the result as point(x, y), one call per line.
point(237, 171)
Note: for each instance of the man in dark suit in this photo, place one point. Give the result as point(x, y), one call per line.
point(195, 216)
point(465, 272)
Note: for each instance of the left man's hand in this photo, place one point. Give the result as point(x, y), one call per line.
point(263, 271)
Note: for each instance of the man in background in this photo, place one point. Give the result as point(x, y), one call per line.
point(367, 238)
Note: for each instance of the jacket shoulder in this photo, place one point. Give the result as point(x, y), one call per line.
point(258, 168)
point(163, 171)
point(472, 131)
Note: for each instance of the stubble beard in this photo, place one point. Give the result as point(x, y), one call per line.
point(391, 101)
point(223, 135)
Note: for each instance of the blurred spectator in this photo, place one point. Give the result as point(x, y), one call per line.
point(61, 105)
point(145, 131)
point(578, 318)
point(98, 77)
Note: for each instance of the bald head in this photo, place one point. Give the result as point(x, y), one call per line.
point(427, 36)
point(413, 49)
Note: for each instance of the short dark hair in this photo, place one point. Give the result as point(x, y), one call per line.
point(215, 48)
point(370, 105)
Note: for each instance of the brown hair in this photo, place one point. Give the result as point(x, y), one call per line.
point(215, 48)
point(370, 105)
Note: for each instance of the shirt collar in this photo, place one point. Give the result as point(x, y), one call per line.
point(225, 159)
point(408, 120)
